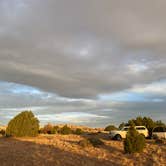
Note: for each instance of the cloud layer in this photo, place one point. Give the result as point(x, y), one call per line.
point(83, 50)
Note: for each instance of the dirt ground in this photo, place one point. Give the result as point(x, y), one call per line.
point(64, 150)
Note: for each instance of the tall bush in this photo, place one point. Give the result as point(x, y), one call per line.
point(24, 124)
point(134, 142)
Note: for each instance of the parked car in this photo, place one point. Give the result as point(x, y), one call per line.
point(120, 134)
point(159, 132)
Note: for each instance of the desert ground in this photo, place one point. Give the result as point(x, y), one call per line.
point(64, 150)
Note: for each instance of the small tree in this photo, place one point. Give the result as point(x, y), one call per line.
point(24, 124)
point(134, 141)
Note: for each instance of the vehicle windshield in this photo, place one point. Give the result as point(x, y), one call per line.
point(140, 128)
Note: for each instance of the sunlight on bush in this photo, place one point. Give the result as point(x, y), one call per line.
point(24, 124)
point(134, 141)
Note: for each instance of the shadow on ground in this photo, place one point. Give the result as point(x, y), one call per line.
point(14, 152)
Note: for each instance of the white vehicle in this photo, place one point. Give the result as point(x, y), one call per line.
point(120, 134)
point(159, 132)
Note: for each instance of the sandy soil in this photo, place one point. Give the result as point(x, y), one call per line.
point(64, 150)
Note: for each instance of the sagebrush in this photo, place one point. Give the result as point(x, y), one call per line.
point(134, 142)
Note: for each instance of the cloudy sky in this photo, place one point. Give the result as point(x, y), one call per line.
point(84, 62)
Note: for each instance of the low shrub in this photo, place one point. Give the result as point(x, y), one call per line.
point(78, 131)
point(85, 143)
point(49, 129)
point(24, 124)
point(110, 128)
point(55, 130)
point(65, 130)
point(134, 141)
point(95, 141)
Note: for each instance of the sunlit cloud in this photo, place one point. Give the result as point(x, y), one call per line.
point(70, 117)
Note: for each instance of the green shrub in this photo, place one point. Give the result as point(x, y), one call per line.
point(24, 124)
point(95, 141)
point(110, 128)
point(66, 130)
point(84, 143)
point(134, 141)
point(55, 130)
point(78, 131)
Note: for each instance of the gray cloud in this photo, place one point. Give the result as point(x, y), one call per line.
point(80, 49)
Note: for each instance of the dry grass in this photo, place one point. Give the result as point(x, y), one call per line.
point(64, 150)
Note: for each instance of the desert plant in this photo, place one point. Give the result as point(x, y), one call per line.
point(95, 141)
point(66, 130)
point(110, 128)
point(84, 143)
point(134, 142)
point(47, 129)
point(55, 130)
point(78, 131)
point(24, 124)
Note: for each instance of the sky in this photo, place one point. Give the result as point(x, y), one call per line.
point(83, 62)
